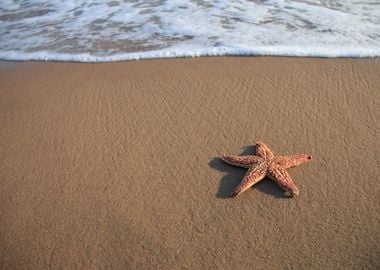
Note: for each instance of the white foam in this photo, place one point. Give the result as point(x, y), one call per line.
point(98, 31)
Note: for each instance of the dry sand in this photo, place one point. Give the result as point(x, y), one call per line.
point(115, 166)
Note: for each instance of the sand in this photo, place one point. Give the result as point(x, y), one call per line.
point(115, 165)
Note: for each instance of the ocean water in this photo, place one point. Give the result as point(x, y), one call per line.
point(93, 31)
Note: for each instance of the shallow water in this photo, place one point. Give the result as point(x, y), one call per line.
point(132, 29)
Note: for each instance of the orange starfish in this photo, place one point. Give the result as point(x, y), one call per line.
point(266, 164)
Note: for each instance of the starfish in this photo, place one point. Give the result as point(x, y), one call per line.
point(266, 164)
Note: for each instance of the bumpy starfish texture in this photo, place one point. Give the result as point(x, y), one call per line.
point(265, 163)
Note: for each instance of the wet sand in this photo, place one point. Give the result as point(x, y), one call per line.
point(115, 165)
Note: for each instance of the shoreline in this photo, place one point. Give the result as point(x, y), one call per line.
point(116, 165)
point(42, 60)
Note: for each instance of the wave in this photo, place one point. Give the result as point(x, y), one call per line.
point(101, 31)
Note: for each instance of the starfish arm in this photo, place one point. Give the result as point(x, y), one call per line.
point(282, 178)
point(242, 161)
point(292, 161)
point(262, 150)
point(254, 175)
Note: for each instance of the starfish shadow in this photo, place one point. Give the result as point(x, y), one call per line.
point(236, 174)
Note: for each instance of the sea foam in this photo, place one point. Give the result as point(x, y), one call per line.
point(98, 31)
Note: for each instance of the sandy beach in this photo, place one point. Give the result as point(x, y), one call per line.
point(116, 165)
